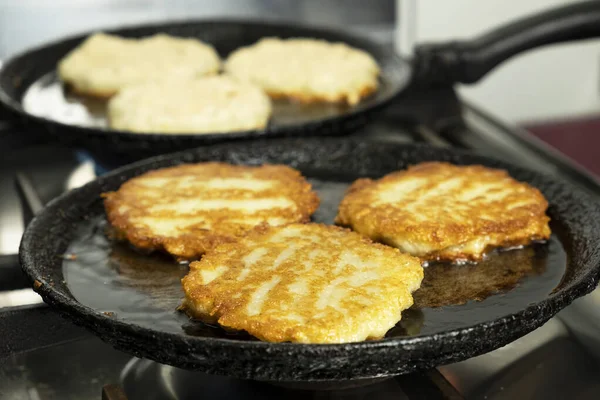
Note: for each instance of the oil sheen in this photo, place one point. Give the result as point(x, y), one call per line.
point(145, 289)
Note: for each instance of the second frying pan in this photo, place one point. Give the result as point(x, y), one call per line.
point(30, 89)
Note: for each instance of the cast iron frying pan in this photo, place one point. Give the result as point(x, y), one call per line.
point(129, 300)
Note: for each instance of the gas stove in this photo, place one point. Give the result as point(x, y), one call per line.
point(43, 357)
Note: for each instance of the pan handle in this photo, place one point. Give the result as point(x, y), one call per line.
point(468, 61)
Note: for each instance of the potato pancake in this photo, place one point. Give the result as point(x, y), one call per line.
point(104, 64)
point(441, 211)
point(188, 209)
point(216, 104)
point(308, 70)
point(305, 283)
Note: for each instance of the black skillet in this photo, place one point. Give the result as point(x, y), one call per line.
point(129, 300)
point(29, 82)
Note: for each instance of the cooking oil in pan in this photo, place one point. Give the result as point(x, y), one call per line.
point(145, 289)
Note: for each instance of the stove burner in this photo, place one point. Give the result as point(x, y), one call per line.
point(147, 380)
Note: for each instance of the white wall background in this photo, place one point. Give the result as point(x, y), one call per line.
point(550, 83)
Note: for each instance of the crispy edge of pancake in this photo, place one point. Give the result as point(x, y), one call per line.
point(191, 246)
point(349, 99)
point(445, 239)
point(212, 309)
point(103, 95)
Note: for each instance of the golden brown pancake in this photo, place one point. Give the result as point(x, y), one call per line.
point(104, 64)
point(188, 209)
point(308, 70)
point(306, 283)
point(214, 104)
point(441, 211)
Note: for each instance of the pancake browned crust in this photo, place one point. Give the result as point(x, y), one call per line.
point(188, 209)
point(307, 70)
point(441, 211)
point(306, 283)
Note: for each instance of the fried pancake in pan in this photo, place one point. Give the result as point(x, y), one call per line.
point(441, 211)
point(306, 283)
point(104, 64)
point(307, 70)
point(187, 209)
point(214, 104)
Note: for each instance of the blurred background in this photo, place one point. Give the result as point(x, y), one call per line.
point(56, 19)
point(550, 91)
point(553, 83)
point(556, 82)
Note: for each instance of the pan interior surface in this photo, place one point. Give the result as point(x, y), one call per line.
point(38, 91)
point(48, 98)
point(129, 299)
point(145, 289)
